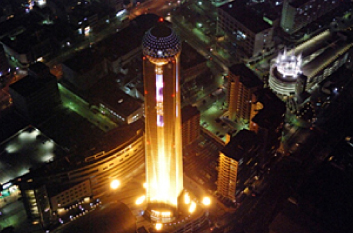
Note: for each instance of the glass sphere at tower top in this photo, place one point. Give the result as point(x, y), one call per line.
point(161, 42)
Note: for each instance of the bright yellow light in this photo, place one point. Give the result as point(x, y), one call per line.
point(187, 198)
point(192, 207)
point(166, 214)
point(115, 184)
point(140, 200)
point(206, 201)
point(159, 226)
point(145, 185)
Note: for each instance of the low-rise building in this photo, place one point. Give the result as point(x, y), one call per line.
point(36, 96)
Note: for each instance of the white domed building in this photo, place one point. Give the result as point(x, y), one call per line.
point(283, 74)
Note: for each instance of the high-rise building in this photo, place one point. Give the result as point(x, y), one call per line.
point(249, 35)
point(242, 83)
point(296, 14)
point(190, 124)
point(164, 164)
point(239, 150)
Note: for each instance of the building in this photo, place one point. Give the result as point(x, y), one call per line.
point(113, 102)
point(284, 73)
point(164, 164)
point(36, 96)
point(122, 47)
point(250, 35)
point(190, 116)
point(296, 14)
point(29, 38)
point(239, 150)
point(72, 177)
point(4, 64)
point(84, 69)
point(268, 123)
point(242, 84)
point(316, 59)
point(192, 64)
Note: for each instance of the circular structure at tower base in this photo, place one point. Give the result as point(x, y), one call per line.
point(161, 213)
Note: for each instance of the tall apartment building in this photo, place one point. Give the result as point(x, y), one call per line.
point(247, 31)
point(242, 84)
point(239, 150)
point(296, 14)
point(190, 117)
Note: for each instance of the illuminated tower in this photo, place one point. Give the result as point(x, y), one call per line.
point(164, 168)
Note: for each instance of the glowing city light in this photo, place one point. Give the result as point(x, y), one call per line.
point(87, 30)
point(140, 200)
point(206, 201)
point(288, 65)
point(159, 226)
point(114, 184)
point(192, 207)
point(186, 198)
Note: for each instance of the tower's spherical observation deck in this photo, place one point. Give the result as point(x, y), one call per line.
point(161, 43)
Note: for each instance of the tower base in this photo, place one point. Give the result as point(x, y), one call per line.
point(161, 213)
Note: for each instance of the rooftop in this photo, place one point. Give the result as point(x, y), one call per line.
point(188, 112)
point(30, 84)
point(240, 145)
point(107, 92)
point(326, 46)
point(84, 60)
point(27, 149)
point(271, 115)
point(247, 76)
point(189, 57)
point(246, 16)
point(128, 39)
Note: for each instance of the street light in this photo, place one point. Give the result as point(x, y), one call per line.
point(140, 200)
point(206, 201)
point(192, 207)
point(114, 184)
point(159, 226)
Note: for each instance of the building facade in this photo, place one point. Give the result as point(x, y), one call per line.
point(37, 95)
point(242, 84)
point(241, 148)
point(227, 176)
point(313, 59)
point(190, 124)
point(164, 171)
point(63, 182)
point(249, 35)
point(296, 14)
